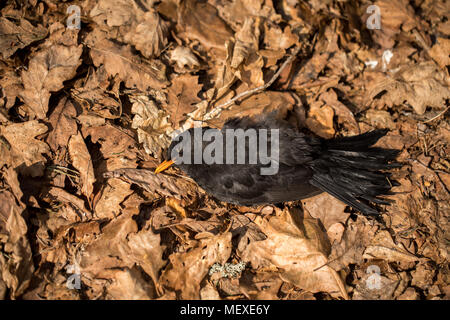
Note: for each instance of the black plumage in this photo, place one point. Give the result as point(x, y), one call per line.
point(349, 168)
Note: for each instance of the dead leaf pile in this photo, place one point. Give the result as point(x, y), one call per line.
point(87, 113)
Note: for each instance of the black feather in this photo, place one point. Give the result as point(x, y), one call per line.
point(349, 168)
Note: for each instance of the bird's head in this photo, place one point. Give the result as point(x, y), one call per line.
point(182, 149)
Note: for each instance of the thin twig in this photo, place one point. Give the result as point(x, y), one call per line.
point(440, 114)
point(216, 110)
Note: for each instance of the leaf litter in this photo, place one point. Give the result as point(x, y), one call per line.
point(87, 114)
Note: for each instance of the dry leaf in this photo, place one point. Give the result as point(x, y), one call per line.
point(320, 120)
point(184, 58)
point(187, 269)
point(326, 208)
point(96, 96)
point(352, 244)
point(75, 203)
point(152, 125)
point(182, 95)
point(383, 247)
point(157, 184)
point(16, 264)
point(246, 231)
point(105, 253)
point(395, 16)
point(63, 124)
point(150, 35)
point(14, 37)
point(144, 248)
point(81, 160)
point(11, 85)
point(115, 141)
point(299, 249)
point(421, 85)
point(121, 61)
point(46, 72)
point(200, 21)
point(439, 52)
point(129, 284)
point(24, 147)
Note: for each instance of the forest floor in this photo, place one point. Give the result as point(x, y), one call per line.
point(86, 105)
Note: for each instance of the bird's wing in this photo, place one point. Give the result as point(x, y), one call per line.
point(243, 184)
point(295, 148)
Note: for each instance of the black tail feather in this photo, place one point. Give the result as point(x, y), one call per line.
point(351, 170)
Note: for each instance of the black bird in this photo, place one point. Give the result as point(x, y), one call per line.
point(348, 168)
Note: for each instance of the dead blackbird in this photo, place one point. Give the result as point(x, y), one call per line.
point(348, 168)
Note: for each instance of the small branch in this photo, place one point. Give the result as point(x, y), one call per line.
point(217, 110)
point(440, 114)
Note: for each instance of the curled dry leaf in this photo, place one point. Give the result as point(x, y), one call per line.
point(16, 264)
point(138, 24)
point(365, 291)
point(210, 225)
point(115, 141)
point(152, 124)
point(236, 12)
point(209, 292)
point(344, 116)
point(46, 72)
point(242, 61)
point(380, 119)
point(14, 37)
point(421, 85)
point(115, 14)
point(262, 285)
point(187, 269)
point(114, 192)
point(320, 120)
point(299, 249)
point(184, 58)
point(439, 52)
point(7, 206)
point(277, 39)
point(81, 160)
point(12, 180)
point(245, 54)
point(24, 148)
point(108, 206)
point(150, 35)
point(383, 247)
point(80, 212)
point(157, 184)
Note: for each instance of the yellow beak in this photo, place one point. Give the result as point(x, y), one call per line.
point(163, 166)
